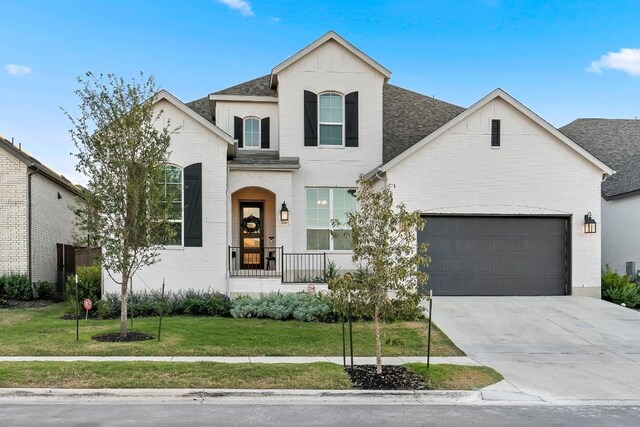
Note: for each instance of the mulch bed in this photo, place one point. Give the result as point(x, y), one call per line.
point(36, 303)
point(115, 337)
point(364, 377)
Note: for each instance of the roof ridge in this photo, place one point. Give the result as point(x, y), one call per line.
point(240, 84)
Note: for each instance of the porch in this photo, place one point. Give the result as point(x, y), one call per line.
point(275, 262)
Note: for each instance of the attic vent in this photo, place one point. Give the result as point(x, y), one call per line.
point(495, 133)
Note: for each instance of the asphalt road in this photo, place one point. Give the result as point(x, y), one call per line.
point(312, 414)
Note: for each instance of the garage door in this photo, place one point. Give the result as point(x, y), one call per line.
point(496, 255)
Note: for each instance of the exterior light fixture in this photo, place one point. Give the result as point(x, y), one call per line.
point(589, 223)
point(284, 213)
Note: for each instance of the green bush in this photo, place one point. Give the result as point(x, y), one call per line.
point(300, 306)
point(44, 290)
point(619, 288)
point(16, 286)
point(89, 284)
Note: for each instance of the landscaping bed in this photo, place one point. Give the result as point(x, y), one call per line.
point(41, 332)
point(323, 376)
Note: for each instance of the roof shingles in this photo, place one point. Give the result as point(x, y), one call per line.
point(616, 142)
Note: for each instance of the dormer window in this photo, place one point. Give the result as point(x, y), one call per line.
point(251, 132)
point(331, 119)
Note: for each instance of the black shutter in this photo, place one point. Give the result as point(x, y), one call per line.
point(351, 119)
point(237, 130)
point(495, 133)
point(310, 119)
point(193, 205)
point(264, 133)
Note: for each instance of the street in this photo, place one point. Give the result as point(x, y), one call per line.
point(307, 413)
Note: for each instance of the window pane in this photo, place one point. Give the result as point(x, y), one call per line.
point(341, 240)
point(176, 238)
point(318, 208)
point(251, 132)
point(331, 108)
point(330, 135)
point(173, 174)
point(318, 240)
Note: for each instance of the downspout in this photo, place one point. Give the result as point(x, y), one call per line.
point(29, 222)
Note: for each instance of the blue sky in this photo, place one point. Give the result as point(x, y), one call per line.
point(563, 59)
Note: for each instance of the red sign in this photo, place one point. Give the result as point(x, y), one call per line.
point(87, 304)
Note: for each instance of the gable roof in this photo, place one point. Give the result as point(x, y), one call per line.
point(163, 94)
point(497, 93)
point(36, 164)
point(256, 87)
point(331, 35)
point(617, 143)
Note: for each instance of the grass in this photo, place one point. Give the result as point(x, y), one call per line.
point(324, 376)
point(41, 332)
point(455, 377)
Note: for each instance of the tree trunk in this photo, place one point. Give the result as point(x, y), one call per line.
point(378, 343)
point(124, 294)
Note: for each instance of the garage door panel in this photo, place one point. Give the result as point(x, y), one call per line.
point(496, 255)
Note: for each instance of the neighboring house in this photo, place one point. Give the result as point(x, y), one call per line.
point(37, 222)
point(617, 143)
point(268, 163)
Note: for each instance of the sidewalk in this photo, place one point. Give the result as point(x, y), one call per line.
point(183, 359)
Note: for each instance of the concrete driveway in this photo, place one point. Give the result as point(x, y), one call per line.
point(553, 348)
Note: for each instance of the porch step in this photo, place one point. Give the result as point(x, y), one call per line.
point(256, 286)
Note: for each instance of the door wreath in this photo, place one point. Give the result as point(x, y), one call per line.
point(250, 224)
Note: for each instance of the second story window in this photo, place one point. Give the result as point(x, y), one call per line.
point(331, 119)
point(252, 132)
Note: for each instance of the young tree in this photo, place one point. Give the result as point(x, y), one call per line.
point(122, 149)
point(384, 240)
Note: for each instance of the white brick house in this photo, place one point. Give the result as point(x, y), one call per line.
point(503, 192)
point(36, 214)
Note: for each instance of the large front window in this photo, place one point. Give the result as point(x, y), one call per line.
point(331, 119)
point(323, 205)
point(172, 187)
point(251, 132)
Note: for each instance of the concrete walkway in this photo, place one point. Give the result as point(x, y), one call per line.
point(182, 359)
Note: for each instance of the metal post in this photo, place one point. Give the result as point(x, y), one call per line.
point(161, 310)
point(429, 333)
point(131, 299)
point(350, 332)
point(344, 345)
point(77, 312)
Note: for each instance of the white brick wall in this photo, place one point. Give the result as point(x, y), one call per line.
point(13, 214)
point(226, 111)
point(53, 221)
point(531, 173)
point(620, 228)
point(200, 267)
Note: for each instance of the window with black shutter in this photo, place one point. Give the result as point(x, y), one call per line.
point(351, 119)
point(495, 133)
point(310, 119)
point(193, 205)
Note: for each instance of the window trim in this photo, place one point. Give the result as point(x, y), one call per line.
point(181, 245)
point(244, 133)
point(320, 123)
point(331, 217)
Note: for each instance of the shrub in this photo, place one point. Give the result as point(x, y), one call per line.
point(16, 286)
point(89, 284)
point(44, 290)
point(619, 288)
point(300, 306)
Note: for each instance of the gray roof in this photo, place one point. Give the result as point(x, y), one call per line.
point(408, 117)
point(616, 142)
point(36, 164)
point(266, 159)
point(256, 87)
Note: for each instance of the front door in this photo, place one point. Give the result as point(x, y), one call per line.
point(251, 235)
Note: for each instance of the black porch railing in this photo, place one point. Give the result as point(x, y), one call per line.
point(265, 262)
point(274, 262)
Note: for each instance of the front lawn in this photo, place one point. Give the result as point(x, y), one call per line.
point(455, 377)
point(41, 332)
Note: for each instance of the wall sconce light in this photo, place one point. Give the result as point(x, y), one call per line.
point(589, 223)
point(284, 213)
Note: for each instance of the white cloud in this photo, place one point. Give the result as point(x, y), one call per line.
point(17, 70)
point(243, 6)
point(627, 60)
point(275, 19)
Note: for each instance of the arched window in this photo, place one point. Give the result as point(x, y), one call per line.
point(331, 119)
point(251, 132)
point(172, 186)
